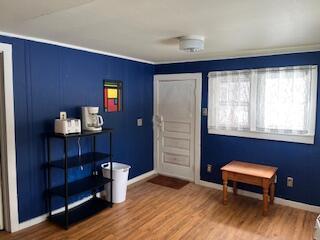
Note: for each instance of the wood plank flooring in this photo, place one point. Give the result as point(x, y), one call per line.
point(193, 212)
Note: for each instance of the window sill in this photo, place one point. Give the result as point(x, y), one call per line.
point(268, 136)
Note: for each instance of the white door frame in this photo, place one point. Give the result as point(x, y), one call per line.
point(197, 142)
point(1, 200)
point(8, 145)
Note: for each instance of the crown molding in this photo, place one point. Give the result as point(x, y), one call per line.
point(250, 53)
point(41, 40)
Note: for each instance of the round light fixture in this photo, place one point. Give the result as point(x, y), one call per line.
point(191, 43)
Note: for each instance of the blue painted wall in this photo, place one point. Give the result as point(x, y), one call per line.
point(49, 79)
point(300, 161)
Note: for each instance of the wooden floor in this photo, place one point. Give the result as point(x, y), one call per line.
point(193, 212)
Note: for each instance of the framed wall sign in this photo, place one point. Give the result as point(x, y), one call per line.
point(112, 96)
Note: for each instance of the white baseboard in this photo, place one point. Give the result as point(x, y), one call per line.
point(280, 201)
point(31, 222)
point(44, 217)
point(141, 177)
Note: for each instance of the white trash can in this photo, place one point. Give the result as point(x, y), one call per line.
point(120, 174)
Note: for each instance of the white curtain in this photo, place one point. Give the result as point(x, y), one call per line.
point(270, 100)
point(229, 100)
point(283, 100)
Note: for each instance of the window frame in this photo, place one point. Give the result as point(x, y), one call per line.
point(253, 133)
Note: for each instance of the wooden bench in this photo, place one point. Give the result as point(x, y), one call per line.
point(255, 174)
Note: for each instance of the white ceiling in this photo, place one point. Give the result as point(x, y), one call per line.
point(146, 29)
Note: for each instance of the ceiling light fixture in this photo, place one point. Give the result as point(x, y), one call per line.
point(191, 43)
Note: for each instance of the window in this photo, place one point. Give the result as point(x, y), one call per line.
point(270, 103)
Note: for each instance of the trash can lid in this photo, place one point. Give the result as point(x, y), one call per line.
point(115, 166)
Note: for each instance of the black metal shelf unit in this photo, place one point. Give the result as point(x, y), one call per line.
point(94, 182)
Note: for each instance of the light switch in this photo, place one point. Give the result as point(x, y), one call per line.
point(204, 112)
point(139, 122)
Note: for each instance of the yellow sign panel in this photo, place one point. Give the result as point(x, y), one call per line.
point(112, 93)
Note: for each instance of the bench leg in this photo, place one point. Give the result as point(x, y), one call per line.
point(235, 188)
point(225, 191)
point(272, 188)
point(265, 200)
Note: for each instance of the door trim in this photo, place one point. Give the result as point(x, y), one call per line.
point(197, 143)
point(8, 146)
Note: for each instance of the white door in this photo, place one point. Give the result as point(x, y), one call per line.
point(177, 124)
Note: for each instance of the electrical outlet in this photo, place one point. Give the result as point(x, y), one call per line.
point(209, 168)
point(63, 115)
point(139, 122)
point(290, 182)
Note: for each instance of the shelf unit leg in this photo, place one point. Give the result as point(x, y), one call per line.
point(111, 167)
point(66, 213)
point(49, 177)
point(94, 192)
